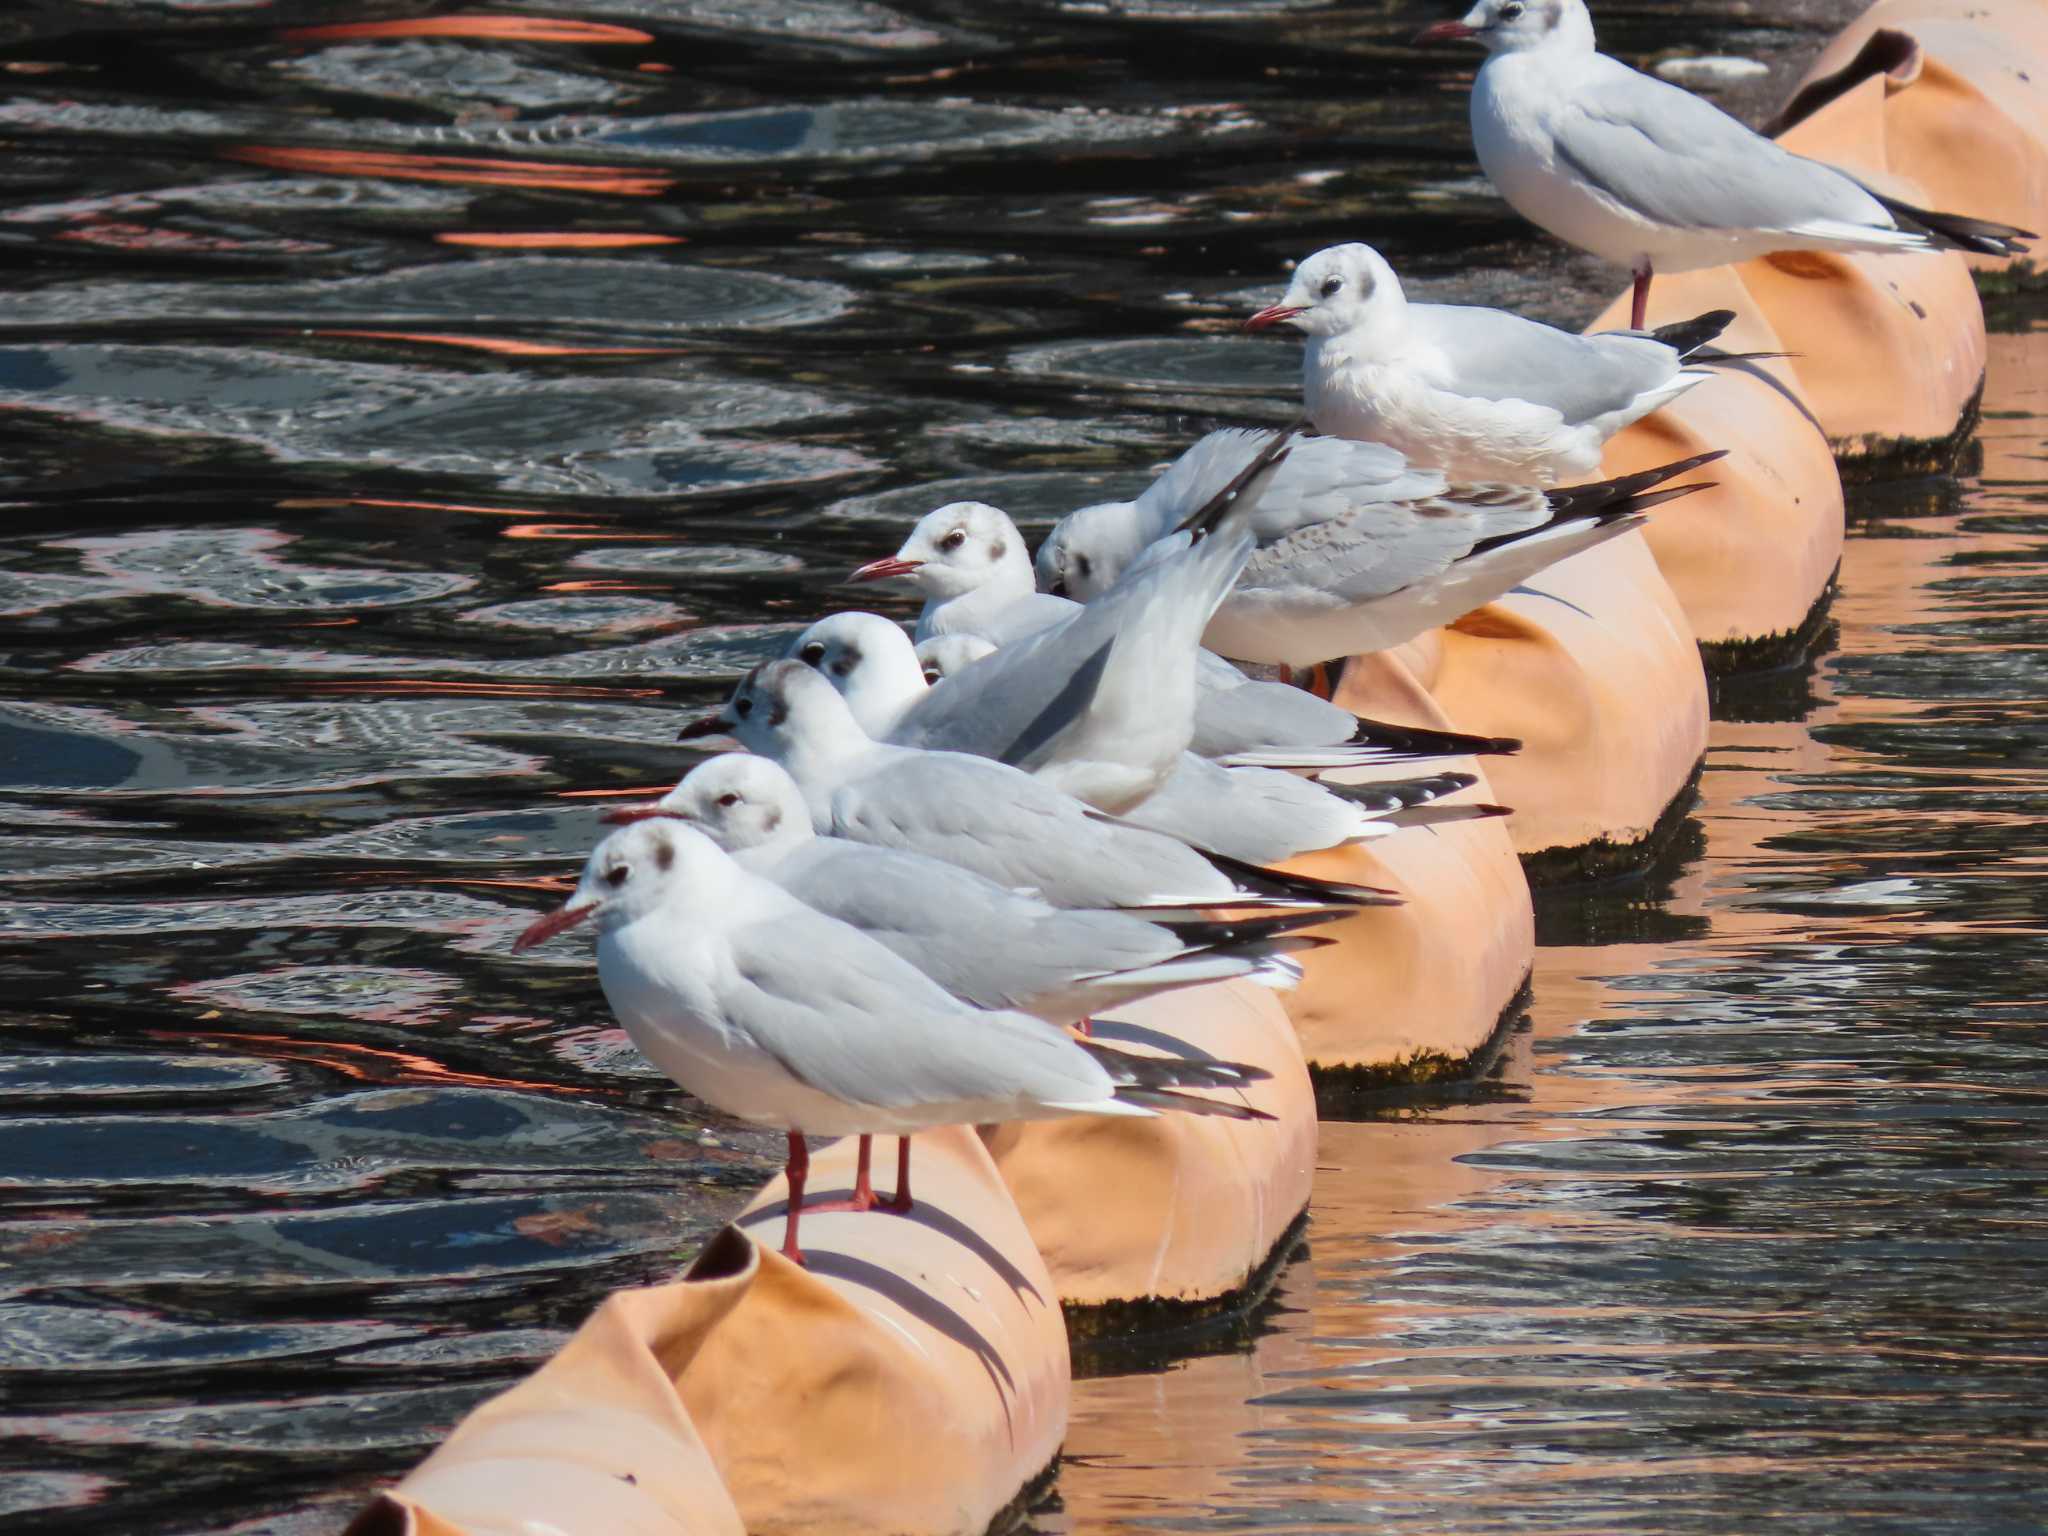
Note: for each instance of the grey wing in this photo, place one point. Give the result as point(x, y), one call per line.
point(968, 934)
point(1668, 155)
point(1493, 355)
point(1018, 699)
point(1007, 827)
point(1259, 815)
point(1322, 477)
point(1382, 552)
point(850, 1020)
point(1241, 715)
point(1026, 617)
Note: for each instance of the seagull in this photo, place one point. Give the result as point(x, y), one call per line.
point(781, 1016)
point(979, 582)
point(1638, 171)
point(984, 815)
point(1477, 393)
point(984, 943)
point(1258, 815)
point(943, 655)
point(1378, 574)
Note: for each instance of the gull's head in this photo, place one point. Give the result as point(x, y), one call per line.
point(944, 656)
point(958, 549)
point(740, 801)
point(1087, 550)
point(869, 660)
point(779, 708)
point(1335, 290)
point(629, 874)
point(1514, 26)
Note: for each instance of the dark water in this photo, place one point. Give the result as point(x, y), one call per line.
point(400, 431)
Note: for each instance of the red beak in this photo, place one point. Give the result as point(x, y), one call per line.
point(882, 570)
point(555, 922)
point(1272, 315)
point(1446, 32)
point(709, 725)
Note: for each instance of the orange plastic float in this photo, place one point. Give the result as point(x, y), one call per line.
point(1595, 669)
point(759, 1396)
point(1752, 560)
point(1416, 992)
point(1181, 1214)
point(1961, 88)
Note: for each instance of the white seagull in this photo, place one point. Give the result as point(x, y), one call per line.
point(1379, 573)
point(984, 815)
point(781, 1016)
point(1258, 815)
point(1477, 393)
point(979, 582)
point(1638, 171)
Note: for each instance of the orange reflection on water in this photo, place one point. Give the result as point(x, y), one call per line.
point(581, 531)
point(364, 1063)
point(473, 169)
point(504, 346)
point(649, 792)
point(324, 503)
point(520, 29)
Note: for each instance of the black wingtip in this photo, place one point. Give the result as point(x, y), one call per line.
point(1205, 518)
point(1687, 337)
point(1957, 231)
point(1427, 741)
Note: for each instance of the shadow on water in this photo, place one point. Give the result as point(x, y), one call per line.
point(403, 424)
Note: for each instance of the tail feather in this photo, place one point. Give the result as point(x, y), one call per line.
point(1424, 741)
point(1227, 933)
point(1956, 231)
point(1445, 815)
point(1163, 1098)
point(1261, 880)
point(1607, 501)
point(1127, 1070)
point(1687, 337)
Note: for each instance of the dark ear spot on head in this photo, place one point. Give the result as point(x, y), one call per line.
point(777, 713)
point(664, 853)
point(773, 819)
point(997, 549)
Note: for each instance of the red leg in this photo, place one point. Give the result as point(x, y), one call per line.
point(795, 1171)
point(863, 1186)
point(1319, 681)
point(901, 1204)
point(1286, 673)
point(1085, 1029)
point(1639, 308)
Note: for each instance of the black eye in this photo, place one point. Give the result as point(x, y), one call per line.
point(616, 876)
point(1331, 286)
point(728, 799)
point(932, 676)
point(1081, 566)
point(1511, 10)
point(954, 539)
point(743, 707)
point(812, 654)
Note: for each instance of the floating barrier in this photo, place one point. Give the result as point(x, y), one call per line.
point(1595, 669)
point(1958, 85)
point(760, 1396)
point(1752, 560)
point(1418, 992)
point(1168, 1219)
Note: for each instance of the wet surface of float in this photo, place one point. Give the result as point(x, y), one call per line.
point(403, 428)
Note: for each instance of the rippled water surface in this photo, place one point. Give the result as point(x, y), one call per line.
point(402, 421)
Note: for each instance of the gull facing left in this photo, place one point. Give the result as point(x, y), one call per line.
point(781, 1016)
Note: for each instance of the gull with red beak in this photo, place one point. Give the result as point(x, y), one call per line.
point(971, 564)
point(1639, 171)
point(1477, 393)
point(780, 1016)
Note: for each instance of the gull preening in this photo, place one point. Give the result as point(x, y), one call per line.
point(1641, 172)
point(781, 1016)
point(1258, 815)
point(1477, 393)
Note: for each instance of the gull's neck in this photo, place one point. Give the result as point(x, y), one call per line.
point(1009, 582)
